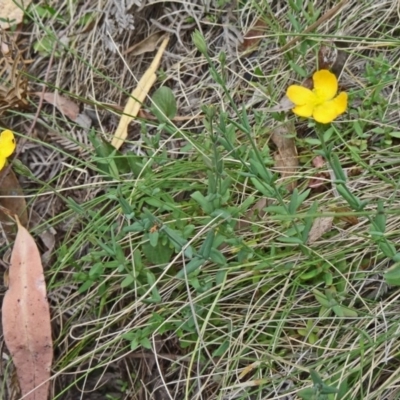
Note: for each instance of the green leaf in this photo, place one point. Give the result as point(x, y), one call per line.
point(192, 266)
point(310, 274)
point(395, 134)
point(129, 279)
point(220, 276)
point(380, 218)
point(145, 342)
point(158, 255)
point(153, 238)
point(202, 201)
point(387, 248)
point(316, 378)
point(307, 394)
point(321, 298)
point(109, 157)
point(337, 168)
point(134, 344)
point(348, 312)
point(313, 141)
point(164, 104)
point(205, 248)
point(218, 257)
point(392, 276)
point(292, 240)
point(221, 349)
point(338, 310)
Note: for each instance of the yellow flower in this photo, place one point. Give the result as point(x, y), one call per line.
point(320, 103)
point(7, 146)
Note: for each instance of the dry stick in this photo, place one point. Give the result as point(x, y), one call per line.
point(316, 24)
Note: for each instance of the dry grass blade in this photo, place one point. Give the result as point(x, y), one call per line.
point(137, 97)
point(26, 318)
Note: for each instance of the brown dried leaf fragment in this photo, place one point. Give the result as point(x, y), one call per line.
point(147, 45)
point(253, 37)
point(12, 202)
point(332, 57)
point(66, 106)
point(286, 160)
point(12, 12)
point(26, 318)
point(350, 219)
point(320, 226)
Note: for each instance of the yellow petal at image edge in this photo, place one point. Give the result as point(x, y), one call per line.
point(2, 162)
point(299, 95)
point(7, 144)
point(305, 110)
point(325, 85)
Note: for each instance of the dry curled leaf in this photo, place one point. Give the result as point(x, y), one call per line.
point(286, 160)
point(26, 318)
point(320, 226)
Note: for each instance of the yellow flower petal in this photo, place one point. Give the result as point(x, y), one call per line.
point(325, 85)
point(330, 110)
point(324, 114)
point(305, 110)
point(299, 95)
point(7, 144)
point(340, 103)
point(2, 162)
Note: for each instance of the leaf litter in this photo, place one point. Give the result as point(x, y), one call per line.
point(26, 318)
point(286, 159)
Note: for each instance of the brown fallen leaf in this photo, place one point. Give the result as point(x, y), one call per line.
point(253, 37)
point(320, 226)
point(350, 219)
point(332, 57)
point(137, 97)
point(12, 11)
point(12, 202)
point(147, 45)
point(286, 160)
point(320, 178)
point(66, 106)
point(26, 318)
